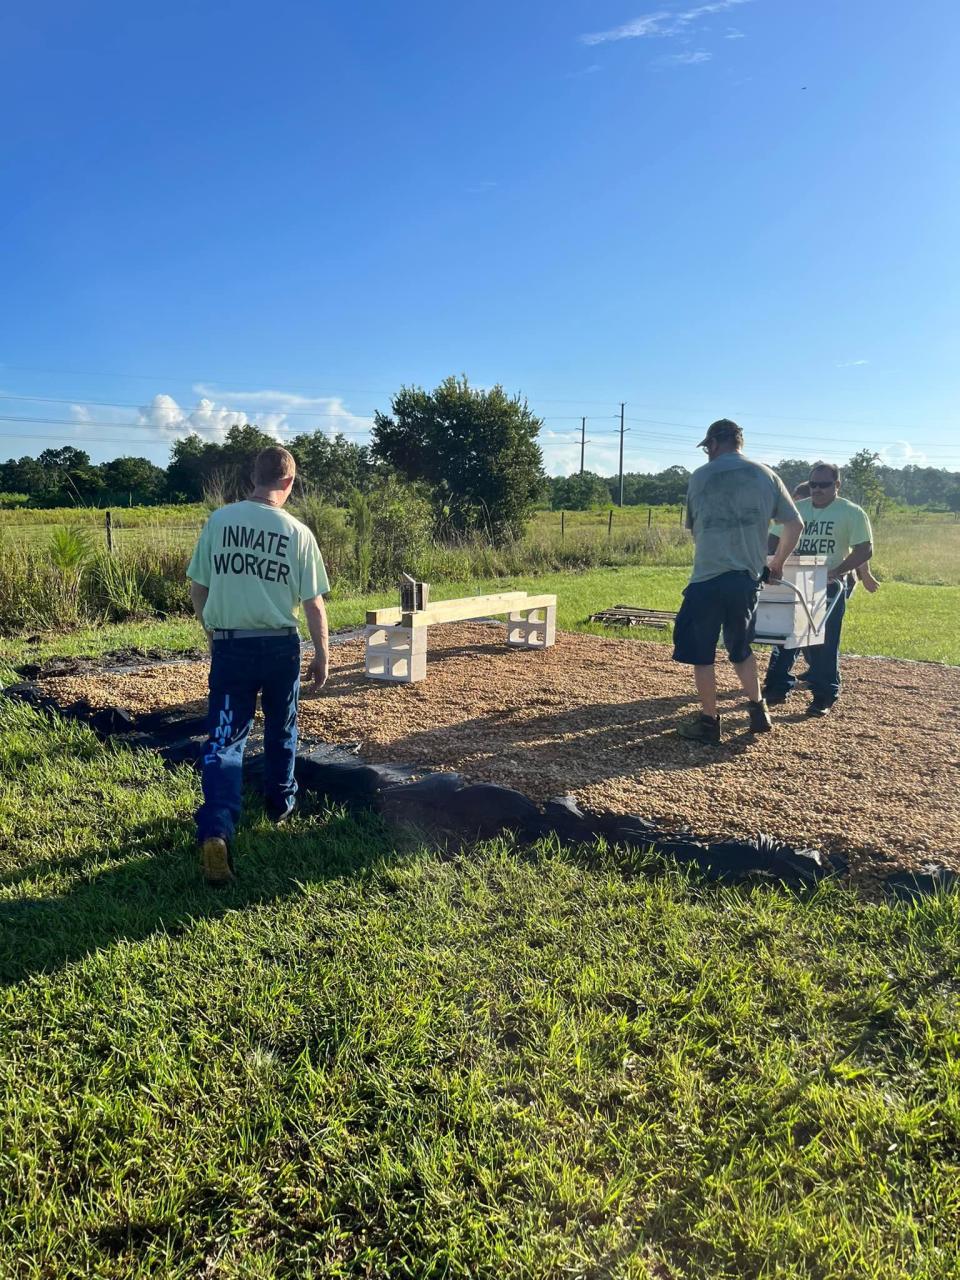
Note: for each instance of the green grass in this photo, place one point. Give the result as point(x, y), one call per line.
point(900, 621)
point(370, 1060)
point(918, 551)
point(187, 513)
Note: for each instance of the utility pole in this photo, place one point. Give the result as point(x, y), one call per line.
point(583, 441)
point(622, 407)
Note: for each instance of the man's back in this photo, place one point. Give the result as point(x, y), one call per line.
point(258, 563)
point(730, 503)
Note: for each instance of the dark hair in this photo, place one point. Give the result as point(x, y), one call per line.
point(827, 466)
point(273, 465)
point(802, 490)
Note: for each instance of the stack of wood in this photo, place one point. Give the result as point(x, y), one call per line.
point(628, 615)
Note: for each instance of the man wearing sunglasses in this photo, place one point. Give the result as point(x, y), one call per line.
point(839, 530)
point(730, 503)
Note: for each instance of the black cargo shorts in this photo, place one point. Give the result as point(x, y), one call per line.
point(727, 604)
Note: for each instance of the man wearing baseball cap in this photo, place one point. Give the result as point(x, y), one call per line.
point(730, 503)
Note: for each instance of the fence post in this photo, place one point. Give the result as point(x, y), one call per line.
point(649, 516)
point(610, 524)
point(562, 529)
point(683, 509)
point(109, 533)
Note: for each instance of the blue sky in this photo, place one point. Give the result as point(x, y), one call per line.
point(219, 211)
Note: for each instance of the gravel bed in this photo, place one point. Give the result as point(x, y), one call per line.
point(878, 780)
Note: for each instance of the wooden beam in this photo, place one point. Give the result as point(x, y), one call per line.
point(461, 609)
point(464, 609)
point(535, 602)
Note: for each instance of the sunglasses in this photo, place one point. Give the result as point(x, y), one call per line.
point(822, 484)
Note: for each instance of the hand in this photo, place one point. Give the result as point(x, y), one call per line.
point(870, 582)
point(318, 670)
point(776, 569)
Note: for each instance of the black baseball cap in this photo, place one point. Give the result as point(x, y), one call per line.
point(722, 429)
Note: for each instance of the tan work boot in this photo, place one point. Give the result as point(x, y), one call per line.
point(216, 861)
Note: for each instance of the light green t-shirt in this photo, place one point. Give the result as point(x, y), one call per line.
point(831, 531)
point(258, 563)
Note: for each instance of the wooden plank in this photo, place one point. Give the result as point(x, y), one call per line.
point(536, 602)
point(383, 617)
point(459, 610)
point(464, 608)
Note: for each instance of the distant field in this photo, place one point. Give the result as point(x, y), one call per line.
point(922, 548)
point(187, 513)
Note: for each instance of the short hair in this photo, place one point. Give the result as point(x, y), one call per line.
point(273, 465)
point(827, 466)
point(725, 429)
point(802, 490)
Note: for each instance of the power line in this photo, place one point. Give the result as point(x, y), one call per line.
point(348, 415)
point(571, 400)
point(154, 426)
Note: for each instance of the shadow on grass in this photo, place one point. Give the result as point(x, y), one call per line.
point(160, 889)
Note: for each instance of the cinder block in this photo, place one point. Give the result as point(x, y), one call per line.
point(396, 654)
point(532, 628)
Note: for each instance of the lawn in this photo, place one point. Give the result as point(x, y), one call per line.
point(900, 621)
point(368, 1059)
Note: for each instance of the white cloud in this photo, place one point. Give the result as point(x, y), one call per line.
point(651, 25)
point(80, 413)
point(850, 364)
point(280, 414)
point(902, 454)
point(685, 59)
point(734, 34)
point(593, 68)
point(169, 420)
point(291, 412)
point(661, 23)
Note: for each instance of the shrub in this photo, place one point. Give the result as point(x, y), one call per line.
point(118, 588)
point(361, 521)
point(329, 526)
point(400, 532)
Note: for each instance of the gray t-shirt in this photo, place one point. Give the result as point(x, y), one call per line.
point(730, 503)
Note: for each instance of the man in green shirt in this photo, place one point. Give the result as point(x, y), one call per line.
point(252, 566)
point(840, 531)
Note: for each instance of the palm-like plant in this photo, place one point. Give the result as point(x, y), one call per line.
point(72, 549)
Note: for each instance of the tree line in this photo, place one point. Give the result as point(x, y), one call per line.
point(470, 455)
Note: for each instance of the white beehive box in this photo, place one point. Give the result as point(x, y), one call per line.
point(781, 616)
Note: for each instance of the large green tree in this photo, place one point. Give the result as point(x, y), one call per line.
point(132, 480)
point(861, 481)
point(220, 472)
point(477, 450)
point(793, 471)
point(332, 468)
point(579, 492)
point(651, 488)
